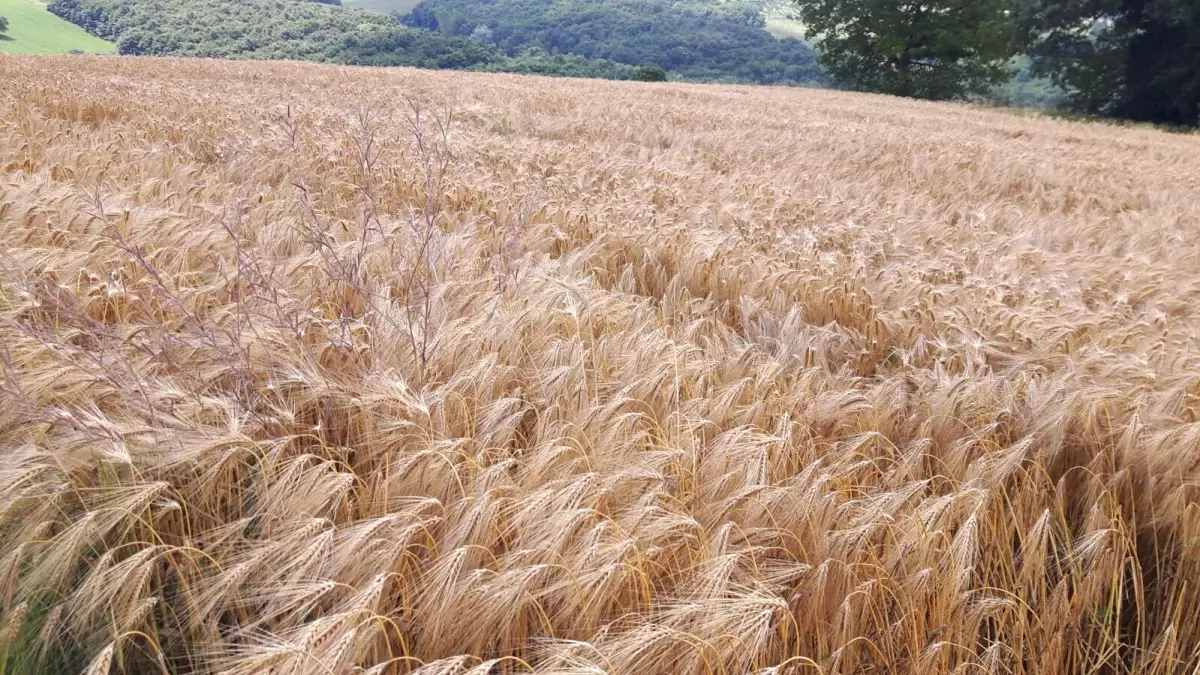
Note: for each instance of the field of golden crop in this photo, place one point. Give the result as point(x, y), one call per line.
point(323, 370)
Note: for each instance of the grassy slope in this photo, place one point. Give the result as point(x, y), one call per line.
point(34, 30)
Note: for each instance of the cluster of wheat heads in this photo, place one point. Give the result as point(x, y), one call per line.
point(322, 370)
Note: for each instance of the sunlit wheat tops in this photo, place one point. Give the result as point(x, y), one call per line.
point(321, 370)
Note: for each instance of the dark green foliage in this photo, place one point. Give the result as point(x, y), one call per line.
point(3, 24)
point(650, 74)
point(941, 49)
point(412, 48)
point(303, 30)
point(537, 61)
point(1136, 59)
point(692, 40)
point(268, 29)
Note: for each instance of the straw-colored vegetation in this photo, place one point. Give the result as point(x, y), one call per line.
point(310, 369)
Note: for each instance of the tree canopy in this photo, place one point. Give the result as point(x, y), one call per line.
point(1133, 59)
point(622, 39)
point(690, 40)
point(213, 28)
point(936, 49)
point(1136, 59)
point(312, 31)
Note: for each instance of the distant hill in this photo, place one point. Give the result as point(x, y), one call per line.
point(776, 13)
point(304, 31)
point(34, 30)
point(713, 40)
point(268, 29)
point(692, 39)
point(614, 39)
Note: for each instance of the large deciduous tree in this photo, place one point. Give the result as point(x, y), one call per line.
point(1137, 59)
point(936, 49)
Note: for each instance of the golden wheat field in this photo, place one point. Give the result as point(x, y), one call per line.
point(325, 370)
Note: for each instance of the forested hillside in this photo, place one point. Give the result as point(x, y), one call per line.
point(268, 29)
point(647, 39)
point(695, 40)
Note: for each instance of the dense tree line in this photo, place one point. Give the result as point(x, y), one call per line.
point(701, 41)
point(314, 30)
point(1134, 59)
point(267, 29)
point(537, 61)
point(936, 50)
